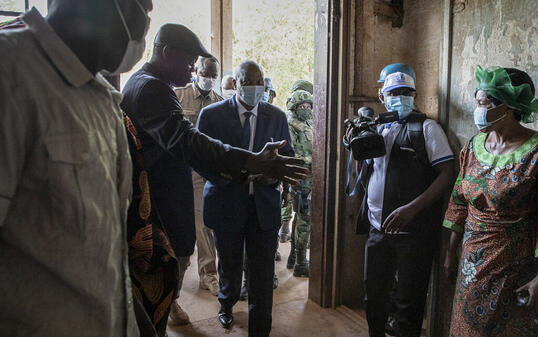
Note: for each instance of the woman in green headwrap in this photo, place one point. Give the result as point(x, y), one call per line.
point(494, 208)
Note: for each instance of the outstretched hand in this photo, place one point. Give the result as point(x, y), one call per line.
point(271, 164)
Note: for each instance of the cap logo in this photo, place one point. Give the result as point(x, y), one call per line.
point(398, 80)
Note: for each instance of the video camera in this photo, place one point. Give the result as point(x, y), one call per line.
point(363, 140)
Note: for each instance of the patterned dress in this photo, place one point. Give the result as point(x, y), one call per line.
point(152, 263)
point(495, 205)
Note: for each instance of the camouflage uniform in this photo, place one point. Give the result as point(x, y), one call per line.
point(301, 137)
point(287, 209)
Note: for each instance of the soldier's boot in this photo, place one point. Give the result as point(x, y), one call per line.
point(292, 257)
point(285, 233)
point(302, 265)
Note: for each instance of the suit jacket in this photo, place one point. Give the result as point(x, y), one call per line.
point(224, 202)
point(170, 144)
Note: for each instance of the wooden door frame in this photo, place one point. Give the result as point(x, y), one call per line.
point(326, 209)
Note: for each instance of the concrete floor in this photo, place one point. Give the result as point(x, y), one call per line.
point(296, 318)
point(293, 315)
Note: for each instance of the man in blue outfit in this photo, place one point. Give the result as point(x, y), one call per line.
point(245, 215)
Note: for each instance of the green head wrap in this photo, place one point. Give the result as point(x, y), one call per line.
point(496, 82)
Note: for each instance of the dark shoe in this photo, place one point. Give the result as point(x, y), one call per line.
point(292, 257)
point(244, 291)
point(302, 265)
point(278, 257)
point(390, 327)
point(275, 281)
point(226, 319)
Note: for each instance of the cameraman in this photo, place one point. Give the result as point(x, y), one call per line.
point(402, 209)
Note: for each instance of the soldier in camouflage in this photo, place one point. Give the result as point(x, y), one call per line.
point(300, 125)
point(287, 206)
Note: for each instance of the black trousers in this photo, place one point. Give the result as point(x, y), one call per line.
point(260, 247)
point(411, 256)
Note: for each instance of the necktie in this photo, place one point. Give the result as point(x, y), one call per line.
point(246, 131)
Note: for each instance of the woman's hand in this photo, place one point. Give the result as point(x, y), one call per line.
point(532, 288)
point(450, 266)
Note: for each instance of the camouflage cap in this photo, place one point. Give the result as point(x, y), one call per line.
point(303, 85)
point(297, 98)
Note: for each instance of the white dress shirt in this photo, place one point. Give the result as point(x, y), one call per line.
point(253, 119)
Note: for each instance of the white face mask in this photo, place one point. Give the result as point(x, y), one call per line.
point(480, 117)
point(227, 93)
point(205, 83)
point(135, 48)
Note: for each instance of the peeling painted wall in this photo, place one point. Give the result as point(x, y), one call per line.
point(488, 33)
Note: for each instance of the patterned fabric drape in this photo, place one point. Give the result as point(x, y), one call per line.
point(152, 262)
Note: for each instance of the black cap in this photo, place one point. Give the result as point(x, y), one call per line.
point(181, 38)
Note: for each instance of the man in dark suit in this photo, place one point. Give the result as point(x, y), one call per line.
point(248, 214)
point(170, 143)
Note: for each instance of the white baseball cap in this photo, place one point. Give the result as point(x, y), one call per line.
point(398, 80)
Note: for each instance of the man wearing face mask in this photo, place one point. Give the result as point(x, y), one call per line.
point(402, 209)
point(193, 98)
point(227, 86)
point(387, 70)
point(65, 170)
point(245, 215)
point(270, 93)
point(168, 146)
point(300, 105)
point(287, 200)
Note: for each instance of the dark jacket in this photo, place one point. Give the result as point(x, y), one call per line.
point(171, 144)
point(225, 203)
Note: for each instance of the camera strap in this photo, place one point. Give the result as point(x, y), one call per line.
point(357, 185)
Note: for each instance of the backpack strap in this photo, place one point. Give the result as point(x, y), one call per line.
point(415, 132)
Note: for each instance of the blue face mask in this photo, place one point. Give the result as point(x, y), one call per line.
point(481, 120)
point(266, 96)
point(251, 95)
point(403, 104)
